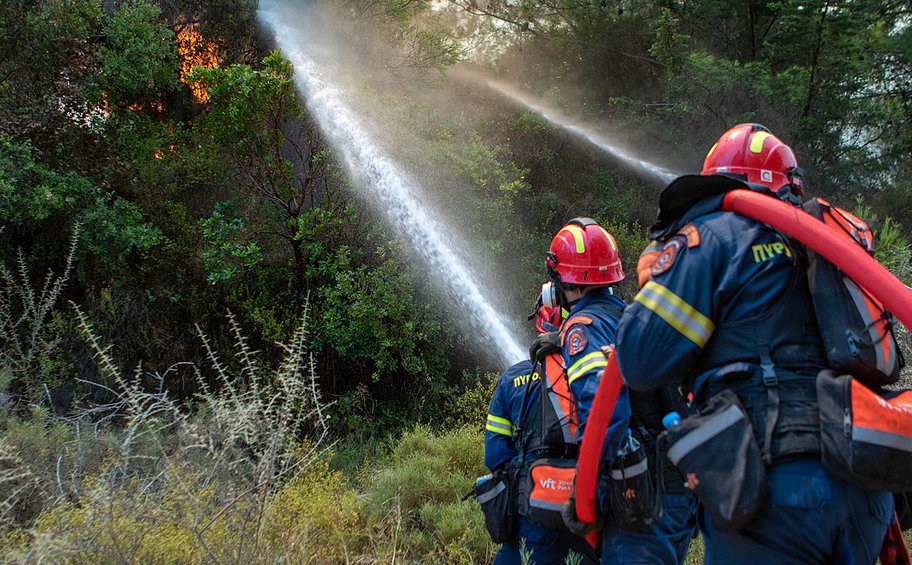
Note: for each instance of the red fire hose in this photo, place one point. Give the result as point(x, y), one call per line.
point(849, 257)
point(591, 449)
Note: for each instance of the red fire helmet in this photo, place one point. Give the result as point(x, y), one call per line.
point(752, 151)
point(584, 253)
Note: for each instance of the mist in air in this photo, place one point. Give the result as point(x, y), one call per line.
point(304, 38)
point(587, 132)
point(399, 177)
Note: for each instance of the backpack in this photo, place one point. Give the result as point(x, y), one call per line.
point(855, 329)
point(549, 451)
point(547, 478)
point(857, 332)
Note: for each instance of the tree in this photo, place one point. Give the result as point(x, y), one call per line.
point(256, 117)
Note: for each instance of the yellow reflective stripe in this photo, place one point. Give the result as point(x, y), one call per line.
point(585, 363)
point(500, 429)
point(757, 141)
point(597, 364)
point(578, 237)
point(584, 359)
point(499, 420)
point(614, 245)
point(711, 149)
point(679, 314)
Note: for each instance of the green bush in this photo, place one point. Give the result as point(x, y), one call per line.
point(470, 408)
point(423, 481)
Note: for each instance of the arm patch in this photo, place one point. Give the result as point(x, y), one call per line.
point(669, 255)
point(576, 339)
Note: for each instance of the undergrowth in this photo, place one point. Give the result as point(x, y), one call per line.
point(241, 475)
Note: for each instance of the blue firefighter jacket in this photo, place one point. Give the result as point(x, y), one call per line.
point(587, 329)
point(505, 411)
point(726, 306)
point(722, 280)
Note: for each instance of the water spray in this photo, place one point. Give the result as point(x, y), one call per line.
point(594, 137)
point(392, 189)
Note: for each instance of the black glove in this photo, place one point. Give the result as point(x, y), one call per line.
point(543, 345)
point(574, 524)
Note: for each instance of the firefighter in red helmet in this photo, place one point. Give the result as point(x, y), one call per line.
point(517, 431)
point(725, 308)
point(753, 154)
point(585, 267)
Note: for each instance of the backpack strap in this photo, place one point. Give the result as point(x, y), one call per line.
point(771, 383)
point(556, 395)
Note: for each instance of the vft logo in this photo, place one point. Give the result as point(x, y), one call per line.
point(766, 176)
point(547, 483)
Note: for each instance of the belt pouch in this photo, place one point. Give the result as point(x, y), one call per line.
point(631, 495)
point(865, 437)
point(545, 486)
point(716, 451)
point(495, 498)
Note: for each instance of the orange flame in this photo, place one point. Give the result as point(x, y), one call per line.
point(195, 51)
point(150, 107)
point(160, 153)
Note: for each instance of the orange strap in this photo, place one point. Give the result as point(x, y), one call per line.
point(559, 388)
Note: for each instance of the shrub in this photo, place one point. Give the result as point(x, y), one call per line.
point(421, 486)
point(471, 407)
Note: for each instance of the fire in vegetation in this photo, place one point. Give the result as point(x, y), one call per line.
point(149, 107)
point(160, 153)
point(195, 51)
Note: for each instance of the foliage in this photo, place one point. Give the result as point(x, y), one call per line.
point(34, 196)
point(227, 251)
point(30, 356)
point(829, 78)
point(369, 315)
point(139, 62)
point(255, 116)
point(471, 407)
point(189, 510)
point(421, 486)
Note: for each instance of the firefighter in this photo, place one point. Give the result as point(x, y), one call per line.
point(512, 409)
point(585, 267)
point(721, 316)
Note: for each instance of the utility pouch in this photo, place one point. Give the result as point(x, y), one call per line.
point(544, 487)
point(494, 495)
point(631, 494)
point(865, 437)
point(716, 451)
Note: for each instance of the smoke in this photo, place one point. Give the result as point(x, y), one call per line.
point(305, 38)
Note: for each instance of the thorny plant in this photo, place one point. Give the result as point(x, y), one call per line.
point(257, 414)
point(25, 313)
point(246, 436)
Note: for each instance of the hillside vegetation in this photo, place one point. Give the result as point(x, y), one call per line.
point(213, 349)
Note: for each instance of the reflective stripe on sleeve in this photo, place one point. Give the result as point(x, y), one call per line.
point(499, 425)
point(594, 360)
point(679, 314)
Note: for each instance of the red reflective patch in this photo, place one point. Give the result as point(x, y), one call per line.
point(576, 340)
